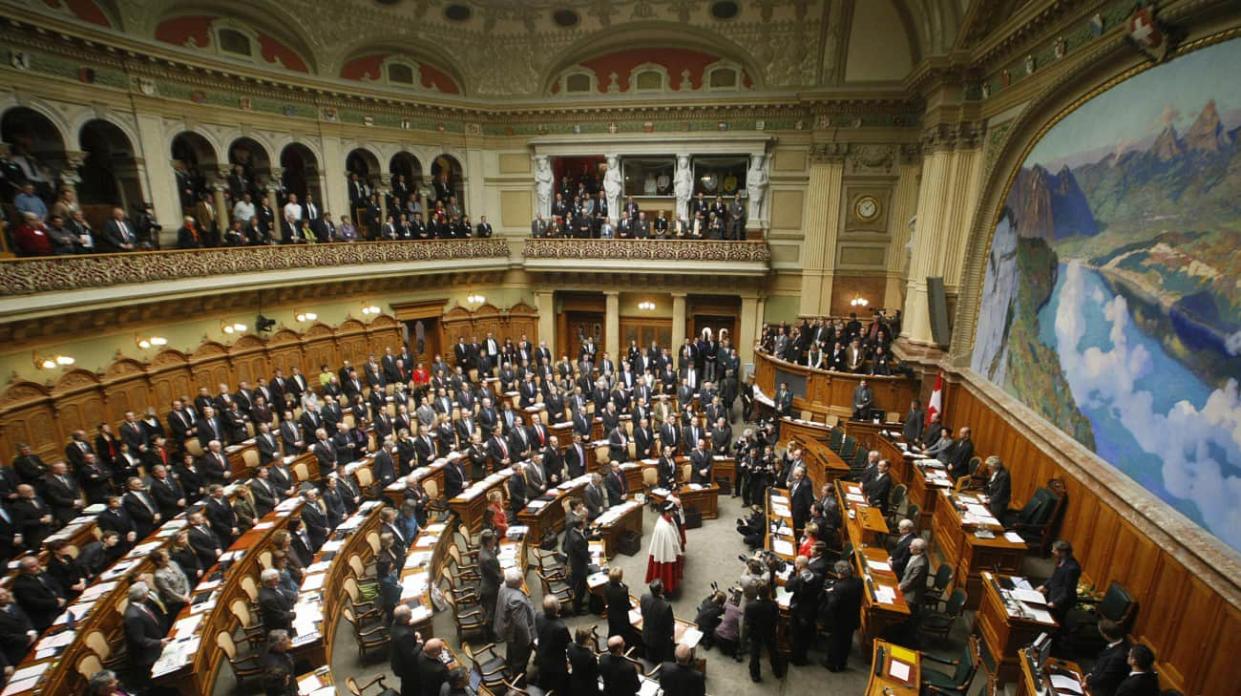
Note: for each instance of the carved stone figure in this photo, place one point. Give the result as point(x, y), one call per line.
point(683, 186)
point(543, 185)
point(613, 187)
point(756, 187)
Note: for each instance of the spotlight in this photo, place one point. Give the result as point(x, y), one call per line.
point(262, 324)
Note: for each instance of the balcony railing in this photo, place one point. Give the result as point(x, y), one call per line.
point(58, 273)
point(745, 252)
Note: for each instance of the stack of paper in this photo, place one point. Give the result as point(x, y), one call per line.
point(885, 594)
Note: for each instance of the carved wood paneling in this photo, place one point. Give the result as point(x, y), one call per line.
point(519, 319)
point(127, 388)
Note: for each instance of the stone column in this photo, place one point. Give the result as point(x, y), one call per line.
point(900, 230)
point(545, 303)
point(74, 159)
point(747, 333)
point(611, 324)
point(160, 183)
point(951, 173)
point(822, 220)
point(385, 189)
point(222, 214)
point(332, 175)
point(678, 321)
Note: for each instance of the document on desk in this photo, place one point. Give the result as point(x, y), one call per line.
point(1040, 615)
point(899, 670)
point(1014, 537)
point(1059, 682)
point(635, 615)
point(782, 547)
point(17, 686)
point(691, 637)
point(1028, 596)
point(885, 594)
point(314, 582)
point(649, 687)
point(878, 565)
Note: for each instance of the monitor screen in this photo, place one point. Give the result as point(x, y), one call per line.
point(1041, 649)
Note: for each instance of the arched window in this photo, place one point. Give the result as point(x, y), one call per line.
point(648, 81)
point(400, 73)
point(235, 40)
point(723, 76)
point(578, 83)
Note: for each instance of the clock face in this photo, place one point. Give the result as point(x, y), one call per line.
point(866, 208)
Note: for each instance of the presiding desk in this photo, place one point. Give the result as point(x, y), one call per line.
point(894, 671)
point(822, 464)
point(1056, 677)
point(826, 391)
point(1012, 614)
point(616, 520)
point(971, 541)
point(693, 496)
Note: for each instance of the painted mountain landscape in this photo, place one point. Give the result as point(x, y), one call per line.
point(1112, 298)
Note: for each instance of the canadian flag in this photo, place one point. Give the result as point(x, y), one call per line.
point(936, 404)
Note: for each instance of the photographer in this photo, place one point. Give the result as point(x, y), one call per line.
point(753, 529)
point(743, 449)
point(710, 613)
point(728, 632)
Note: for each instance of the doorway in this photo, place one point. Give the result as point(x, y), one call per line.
point(579, 325)
point(423, 338)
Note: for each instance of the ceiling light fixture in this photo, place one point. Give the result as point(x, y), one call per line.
point(475, 298)
point(646, 306)
point(306, 316)
point(145, 342)
point(859, 301)
point(52, 362)
point(232, 328)
point(370, 310)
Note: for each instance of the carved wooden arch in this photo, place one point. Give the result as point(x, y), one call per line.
point(319, 346)
point(79, 402)
point(284, 350)
point(28, 416)
point(126, 387)
point(351, 342)
point(170, 377)
point(384, 331)
point(249, 358)
point(209, 365)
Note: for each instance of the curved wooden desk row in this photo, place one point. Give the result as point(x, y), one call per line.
point(831, 393)
point(98, 613)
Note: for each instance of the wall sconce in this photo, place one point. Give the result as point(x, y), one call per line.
point(306, 316)
point(52, 362)
point(859, 301)
point(370, 310)
point(233, 328)
point(475, 299)
point(646, 306)
point(145, 342)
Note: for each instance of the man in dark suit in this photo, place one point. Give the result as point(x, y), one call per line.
point(455, 478)
point(617, 486)
point(595, 496)
point(998, 488)
point(275, 605)
point(168, 494)
point(17, 634)
point(900, 553)
point(265, 494)
point(801, 497)
point(760, 619)
point(383, 466)
point(618, 444)
point(578, 551)
point(878, 488)
point(1112, 666)
point(61, 493)
point(119, 234)
point(432, 673)
point(221, 516)
point(292, 437)
point(1061, 587)
point(679, 678)
point(958, 461)
point(844, 610)
point(141, 507)
point(315, 519)
point(405, 645)
point(620, 676)
point(806, 588)
point(38, 593)
point(657, 623)
point(702, 464)
point(28, 465)
point(268, 446)
point(1142, 680)
point(203, 541)
point(144, 632)
point(214, 466)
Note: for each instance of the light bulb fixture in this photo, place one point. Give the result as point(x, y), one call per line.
point(475, 298)
point(859, 301)
point(371, 310)
point(646, 306)
point(306, 316)
point(145, 342)
point(51, 362)
point(233, 328)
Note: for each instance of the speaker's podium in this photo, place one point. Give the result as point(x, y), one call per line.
point(894, 671)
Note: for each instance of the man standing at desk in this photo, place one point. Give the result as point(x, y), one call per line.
point(863, 398)
point(844, 611)
point(915, 420)
point(1061, 587)
point(514, 622)
point(998, 488)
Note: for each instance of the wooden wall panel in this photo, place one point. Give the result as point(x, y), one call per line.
point(126, 388)
point(209, 366)
point(284, 350)
point(79, 403)
point(249, 359)
point(351, 344)
point(384, 332)
point(27, 416)
point(1188, 622)
point(318, 348)
point(170, 379)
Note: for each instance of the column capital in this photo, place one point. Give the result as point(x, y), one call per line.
point(612, 293)
point(679, 295)
point(75, 158)
point(950, 136)
point(829, 153)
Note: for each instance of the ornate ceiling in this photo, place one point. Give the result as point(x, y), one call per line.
point(522, 48)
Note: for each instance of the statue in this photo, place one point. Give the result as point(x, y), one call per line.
point(684, 187)
point(612, 188)
point(756, 187)
point(543, 185)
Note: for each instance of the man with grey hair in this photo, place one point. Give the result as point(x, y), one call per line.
point(514, 623)
point(104, 683)
point(913, 580)
point(900, 553)
point(279, 674)
point(679, 678)
point(275, 605)
point(404, 647)
point(144, 634)
point(844, 612)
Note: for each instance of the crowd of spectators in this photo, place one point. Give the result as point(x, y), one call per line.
point(837, 344)
point(584, 215)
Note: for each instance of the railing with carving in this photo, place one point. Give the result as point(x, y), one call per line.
point(58, 273)
point(649, 249)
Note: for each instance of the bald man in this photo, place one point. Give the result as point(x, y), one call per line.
point(432, 673)
point(680, 678)
point(620, 676)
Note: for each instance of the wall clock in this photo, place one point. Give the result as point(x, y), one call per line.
point(866, 208)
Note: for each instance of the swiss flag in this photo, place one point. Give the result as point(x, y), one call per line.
point(936, 404)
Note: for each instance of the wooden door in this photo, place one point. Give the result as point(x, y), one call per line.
point(715, 322)
point(579, 325)
point(424, 339)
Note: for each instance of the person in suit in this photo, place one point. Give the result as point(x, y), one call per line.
point(167, 492)
point(144, 632)
point(801, 497)
point(702, 464)
point(170, 581)
point(514, 622)
point(551, 656)
point(38, 594)
point(205, 543)
point(28, 465)
point(489, 574)
point(432, 673)
point(583, 665)
point(455, 478)
point(279, 670)
point(879, 487)
point(962, 452)
point(657, 623)
point(1142, 680)
point(998, 488)
point(900, 552)
point(619, 673)
point(405, 645)
point(221, 516)
point(264, 492)
point(214, 466)
point(915, 421)
point(1061, 588)
point(595, 496)
point(913, 581)
point(314, 517)
point(578, 550)
point(1111, 667)
point(268, 446)
point(783, 401)
point(806, 588)
point(275, 605)
point(760, 617)
point(843, 602)
point(17, 634)
point(679, 678)
point(119, 234)
point(617, 486)
point(618, 444)
point(292, 439)
point(62, 494)
point(32, 518)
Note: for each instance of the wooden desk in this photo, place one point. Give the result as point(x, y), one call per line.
point(822, 464)
point(312, 682)
point(433, 472)
point(198, 674)
point(831, 392)
point(704, 499)
point(779, 515)
point(879, 615)
point(802, 431)
point(875, 437)
point(236, 455)
point(1004, 631)
point(965, 552)
point(863, 525)
point(925, 483)
point(549, 512)
point(884, 683)
point(1027, 686)
point(471, 505)
point(619, 518)
point(725, 469)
